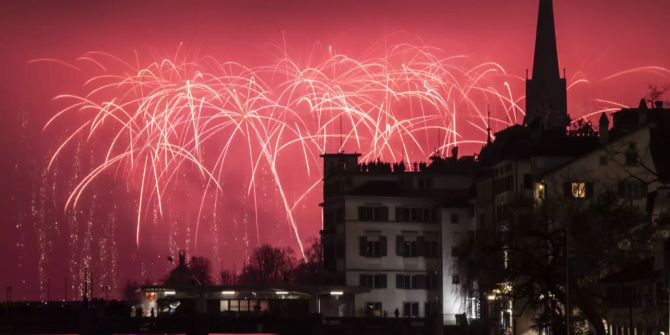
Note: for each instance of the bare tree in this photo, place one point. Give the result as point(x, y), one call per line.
point(228, 277)
point(310, 271)
point(201, 269)
point(268, 265)
point(571, 241)
point(656, 93)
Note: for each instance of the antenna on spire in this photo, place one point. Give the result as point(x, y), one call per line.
point(488, 125)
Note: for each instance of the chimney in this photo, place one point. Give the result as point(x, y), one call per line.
point(658, 104)
point(454, 152)
point(603, 128)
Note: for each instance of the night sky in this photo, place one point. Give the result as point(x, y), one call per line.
point(612, 51)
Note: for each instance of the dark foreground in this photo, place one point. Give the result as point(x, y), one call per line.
point(60, 318)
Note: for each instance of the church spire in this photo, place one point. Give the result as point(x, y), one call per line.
point(546, 93)
point(545, 62)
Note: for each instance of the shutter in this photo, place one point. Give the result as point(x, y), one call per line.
point(383, 245)
point(397, 214)
point(399, 281)
point(380, 281)
point(399, 241)
point(420, 246)
point(361, 280)
point(361, 244)
point(567, 190)
point(385, 214)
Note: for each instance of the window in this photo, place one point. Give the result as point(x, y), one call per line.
point(419, 281)
point(410, 309)
point(409, 249)
point(372, 281)
point(416, 214)
point(417, 246)
point(373, 309)
point(380, 281)
point(365, 280)
point(503, 185)
point(455, 218)
point(234, 306)
point(403, 281)
point(244, 305)
point(632, 189)
point(372, 246)
point(539, 193)
point(432, 248)
point(373, 213)
point(455, 280)
point(631, 154)
point(578, 190)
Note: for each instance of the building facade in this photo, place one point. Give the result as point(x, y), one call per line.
point(395, 228)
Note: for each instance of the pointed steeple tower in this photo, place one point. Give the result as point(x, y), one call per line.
point(546, 93)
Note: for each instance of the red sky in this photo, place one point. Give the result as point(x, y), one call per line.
point(596, 38)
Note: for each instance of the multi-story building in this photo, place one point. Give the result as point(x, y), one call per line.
point(394, 229)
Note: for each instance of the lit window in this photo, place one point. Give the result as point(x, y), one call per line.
point(578, 190)
point(539, 194)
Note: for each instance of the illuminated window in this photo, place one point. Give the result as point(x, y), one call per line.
point(539, 193)
point(578, 190)
point(373, 309)
point(234, 306)
point(264, 305)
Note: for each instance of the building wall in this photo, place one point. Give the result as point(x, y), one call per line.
point(605, 168)
point(454, 296)
point(446, 233)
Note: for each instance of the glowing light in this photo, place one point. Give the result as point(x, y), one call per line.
point(336, 293)
point(228, 292)
point(159, 121)
point(281, 292)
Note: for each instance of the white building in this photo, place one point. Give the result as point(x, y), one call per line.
point(395, 232)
